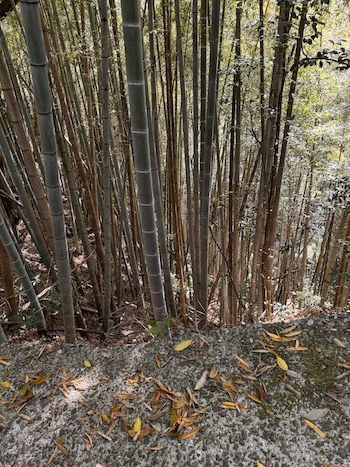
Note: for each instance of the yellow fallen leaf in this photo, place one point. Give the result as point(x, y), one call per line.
point(213, 372)
point(277, 338)
point(105, 418)
point(6, 384)
point(41, 379)
point(183, 345)
point(87, 363)
point(173, 416)
point(137, 424)
point(259, 464)
point(115, 408)
point(281, 363)
point(315, 428)
point(23, 389)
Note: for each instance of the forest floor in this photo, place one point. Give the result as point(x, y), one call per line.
point(272, 395)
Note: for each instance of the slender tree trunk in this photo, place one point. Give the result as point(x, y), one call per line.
point(7, 282)
point(233, 319)
point(172, 155)
point(24, 144)
point(268, 147)
point(107, 222)
point(139, 128)
point(206, 185)
point(155, 159)
point(343, 263)
point(12, 250)
point(196, 175)
point(306, 231)
point(331, 262)
point(38, 62)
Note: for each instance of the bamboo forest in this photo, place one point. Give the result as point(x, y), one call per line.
point(172, 163)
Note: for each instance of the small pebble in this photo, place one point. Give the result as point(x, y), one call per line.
point(342, 453)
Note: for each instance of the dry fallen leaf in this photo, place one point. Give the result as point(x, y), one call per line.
point(189, 434)
point(125, 396)
point(259, 464)
point(344, 365)
point(339, 343)
point(315, 414)
point(297, 348)
point(287, 330)
point(228, 405)
point(252, 397)
point(315, 428)
point(87, 363)
point(292, 334)
point(262, 394)
point(155, 448)
point(183, 345)
point(277, 338)
point(243, 363)
point(294, 374)
point(3, 361)
point(202, 380)
point(293, 390)
point(25, 417)
point(98, 383)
